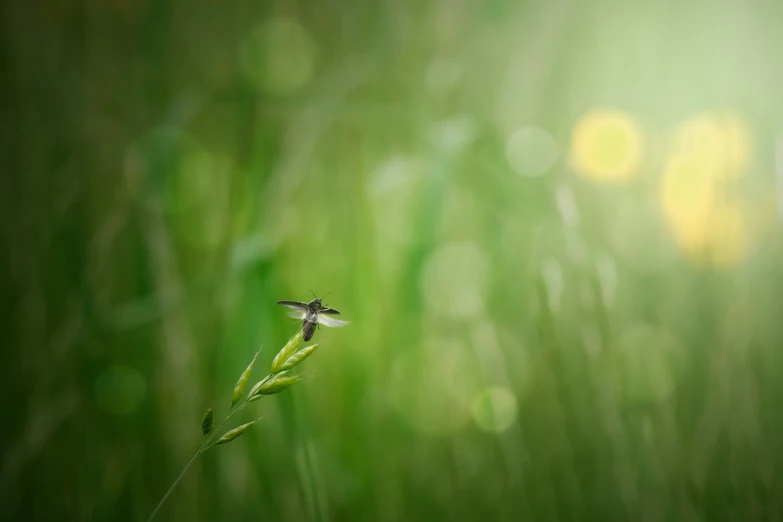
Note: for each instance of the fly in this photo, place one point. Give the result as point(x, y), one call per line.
point(312, 314)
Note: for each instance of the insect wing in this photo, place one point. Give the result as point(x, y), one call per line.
point(328, 311)
point(297, 314)
point(331, 321)
point(294, 304)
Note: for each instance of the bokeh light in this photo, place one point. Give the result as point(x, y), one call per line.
point(606, 146)
point(453, 134)
point(279, 55)
point(699, 203)
point(393, 173)
point(531, 151)
point(689, 194)
point(494, 409)
point(722, 141)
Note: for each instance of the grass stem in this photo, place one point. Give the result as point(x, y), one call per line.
point(187, 467)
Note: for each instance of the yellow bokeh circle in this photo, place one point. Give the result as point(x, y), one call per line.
point(606, 145)
point(720, 140)
point(707, 227)
point(702, 210)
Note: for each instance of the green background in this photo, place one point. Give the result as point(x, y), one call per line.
point(171, 169)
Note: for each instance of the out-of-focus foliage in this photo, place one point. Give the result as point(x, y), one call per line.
point(554, 227)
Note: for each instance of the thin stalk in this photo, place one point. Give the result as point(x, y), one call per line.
point(187, 467)
point(208, 442)
point(205, 445)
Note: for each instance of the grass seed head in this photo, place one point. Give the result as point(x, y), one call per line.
point(240, 387)
point(287, 351)
point(236, 432)
point(206, 422)
point(298, 357)
point(275, 385)
point(254, 389)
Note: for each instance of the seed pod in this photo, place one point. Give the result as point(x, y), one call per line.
point(254, 389)
point(240, 387)
point(206, 422)
point(298, 357)
point(274, 386)
point(288, 350)
point(233, 434)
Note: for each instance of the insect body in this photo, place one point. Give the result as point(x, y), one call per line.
point(312, 314)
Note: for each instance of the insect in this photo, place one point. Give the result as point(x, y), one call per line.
point(313, 314)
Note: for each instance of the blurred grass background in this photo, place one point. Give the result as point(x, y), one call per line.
point(554, 226)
